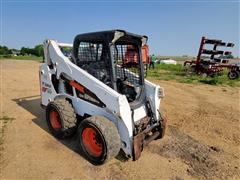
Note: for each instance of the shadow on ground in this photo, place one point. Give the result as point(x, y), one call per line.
point(32, 105)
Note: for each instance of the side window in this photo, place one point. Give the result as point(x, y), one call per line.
point(127, 63)
point(94, 58)
point(89, 52)
point(66, 51)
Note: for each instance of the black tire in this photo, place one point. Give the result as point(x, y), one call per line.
point(233, 75)
point(106, 137)
point(66, 118)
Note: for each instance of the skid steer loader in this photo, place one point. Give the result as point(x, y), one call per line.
point(101, 94)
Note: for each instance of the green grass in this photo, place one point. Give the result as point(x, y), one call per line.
point(34, 58)
point(178, 73)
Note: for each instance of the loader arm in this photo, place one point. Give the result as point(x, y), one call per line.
point(115, 103)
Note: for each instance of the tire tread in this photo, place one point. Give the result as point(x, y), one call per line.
point(110, 134)
point(68, 118)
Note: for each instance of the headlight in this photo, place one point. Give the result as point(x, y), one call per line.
point(161, 93)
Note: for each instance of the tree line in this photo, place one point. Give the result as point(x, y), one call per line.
point(38, 51)
point(24, 51)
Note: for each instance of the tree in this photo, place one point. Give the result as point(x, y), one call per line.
point(24, 51)
point(38, 50)
point(4, 50)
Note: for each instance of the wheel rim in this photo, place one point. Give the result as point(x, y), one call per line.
point(55, 120)
point(92, 141)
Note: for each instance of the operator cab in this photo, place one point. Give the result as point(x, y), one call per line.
point(113, 57)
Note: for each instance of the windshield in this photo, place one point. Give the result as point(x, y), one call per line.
point(128, 70)
point(125, 66)
point(93, 57)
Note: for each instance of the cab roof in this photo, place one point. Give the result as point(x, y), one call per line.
point(109, 36)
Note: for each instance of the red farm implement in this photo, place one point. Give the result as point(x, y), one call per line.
point(209, 62)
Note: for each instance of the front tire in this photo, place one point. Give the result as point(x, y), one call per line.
point(99, 140)
point(61, 119)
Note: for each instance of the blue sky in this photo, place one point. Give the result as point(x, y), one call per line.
point(173, 27)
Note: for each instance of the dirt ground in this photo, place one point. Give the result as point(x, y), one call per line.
point(202, 139)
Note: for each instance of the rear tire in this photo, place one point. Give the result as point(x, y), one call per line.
point(99, 140)
point(61, 119)
point(233, 75)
